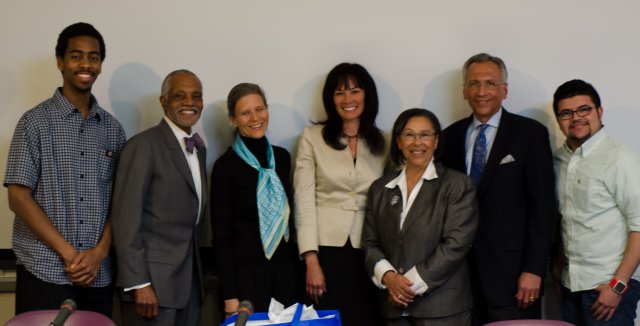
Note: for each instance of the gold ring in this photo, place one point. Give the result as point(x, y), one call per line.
point(532, 298)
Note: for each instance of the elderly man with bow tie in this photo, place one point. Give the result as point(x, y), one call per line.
point(159, 201)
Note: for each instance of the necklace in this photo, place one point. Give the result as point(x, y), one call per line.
point(349, 137)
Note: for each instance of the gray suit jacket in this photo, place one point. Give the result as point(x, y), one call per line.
point(435, 238)
point(155, 209)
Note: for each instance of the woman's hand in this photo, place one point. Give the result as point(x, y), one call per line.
point(399, 289)
point(315, 284)
point(231, 307)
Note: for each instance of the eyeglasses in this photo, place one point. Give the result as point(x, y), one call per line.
point(488, 84)
point(410, 136)
point(582, 111)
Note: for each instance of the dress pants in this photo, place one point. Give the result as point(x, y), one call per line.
point(576, 307)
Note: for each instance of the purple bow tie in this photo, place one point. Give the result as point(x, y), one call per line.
point(194, 141)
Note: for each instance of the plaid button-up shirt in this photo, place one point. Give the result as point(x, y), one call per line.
point(68, 162)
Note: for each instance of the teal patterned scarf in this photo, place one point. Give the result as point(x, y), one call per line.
point(273, 207)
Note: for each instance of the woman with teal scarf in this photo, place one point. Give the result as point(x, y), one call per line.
point(251, 200)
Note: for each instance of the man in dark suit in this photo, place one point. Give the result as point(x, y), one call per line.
point(509, 159)
point(159, 200)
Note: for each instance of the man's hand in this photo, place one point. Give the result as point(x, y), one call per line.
point(528, 289)
point(146, 302)
point(84, 267)
point(606, 304)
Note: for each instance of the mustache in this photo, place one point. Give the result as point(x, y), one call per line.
point(578, 122)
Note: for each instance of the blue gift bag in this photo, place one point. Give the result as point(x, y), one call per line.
point(333, 321)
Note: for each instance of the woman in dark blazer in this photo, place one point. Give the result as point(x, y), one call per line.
point(419, 225)
point(251, 199)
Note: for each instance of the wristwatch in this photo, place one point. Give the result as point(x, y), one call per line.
point(618, 286)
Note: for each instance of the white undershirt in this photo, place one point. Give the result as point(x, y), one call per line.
point(192, 159)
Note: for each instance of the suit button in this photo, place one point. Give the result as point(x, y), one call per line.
point(400, 241)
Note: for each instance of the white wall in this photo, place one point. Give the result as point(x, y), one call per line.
point(414, 50)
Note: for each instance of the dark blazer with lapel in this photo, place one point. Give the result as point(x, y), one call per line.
point(435, 237)
point(155, 209)
point(516, 200)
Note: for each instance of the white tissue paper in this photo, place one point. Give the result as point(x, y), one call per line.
point(278, 314)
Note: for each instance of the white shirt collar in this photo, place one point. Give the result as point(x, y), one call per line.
point(494, 121)
point(180, 135)
point(428, 174)
point(589, 144)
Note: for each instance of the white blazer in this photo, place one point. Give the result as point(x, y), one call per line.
point(330, 191)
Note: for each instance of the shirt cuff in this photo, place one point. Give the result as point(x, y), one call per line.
point(382, 266)
point(419, 285)
point(135, 287)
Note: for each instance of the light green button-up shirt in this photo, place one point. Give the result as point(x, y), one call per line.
point(598, 189)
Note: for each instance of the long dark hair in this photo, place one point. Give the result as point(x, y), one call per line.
point(337, 78)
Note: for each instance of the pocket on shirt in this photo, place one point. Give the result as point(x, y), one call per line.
point(106, 165)
point(590, 193)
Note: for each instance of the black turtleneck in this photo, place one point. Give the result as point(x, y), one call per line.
point(257, 147)
point(234, 214)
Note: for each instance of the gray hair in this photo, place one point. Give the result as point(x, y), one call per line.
point(485, 57)
point(165, 82)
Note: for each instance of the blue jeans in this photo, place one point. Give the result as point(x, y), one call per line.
point(576, 307)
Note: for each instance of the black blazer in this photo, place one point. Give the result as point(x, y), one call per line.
point(516, 200)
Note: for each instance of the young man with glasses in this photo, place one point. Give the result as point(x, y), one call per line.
point(509, 159)
point(598, 185)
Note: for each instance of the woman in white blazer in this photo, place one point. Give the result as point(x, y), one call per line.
point(337, 161)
